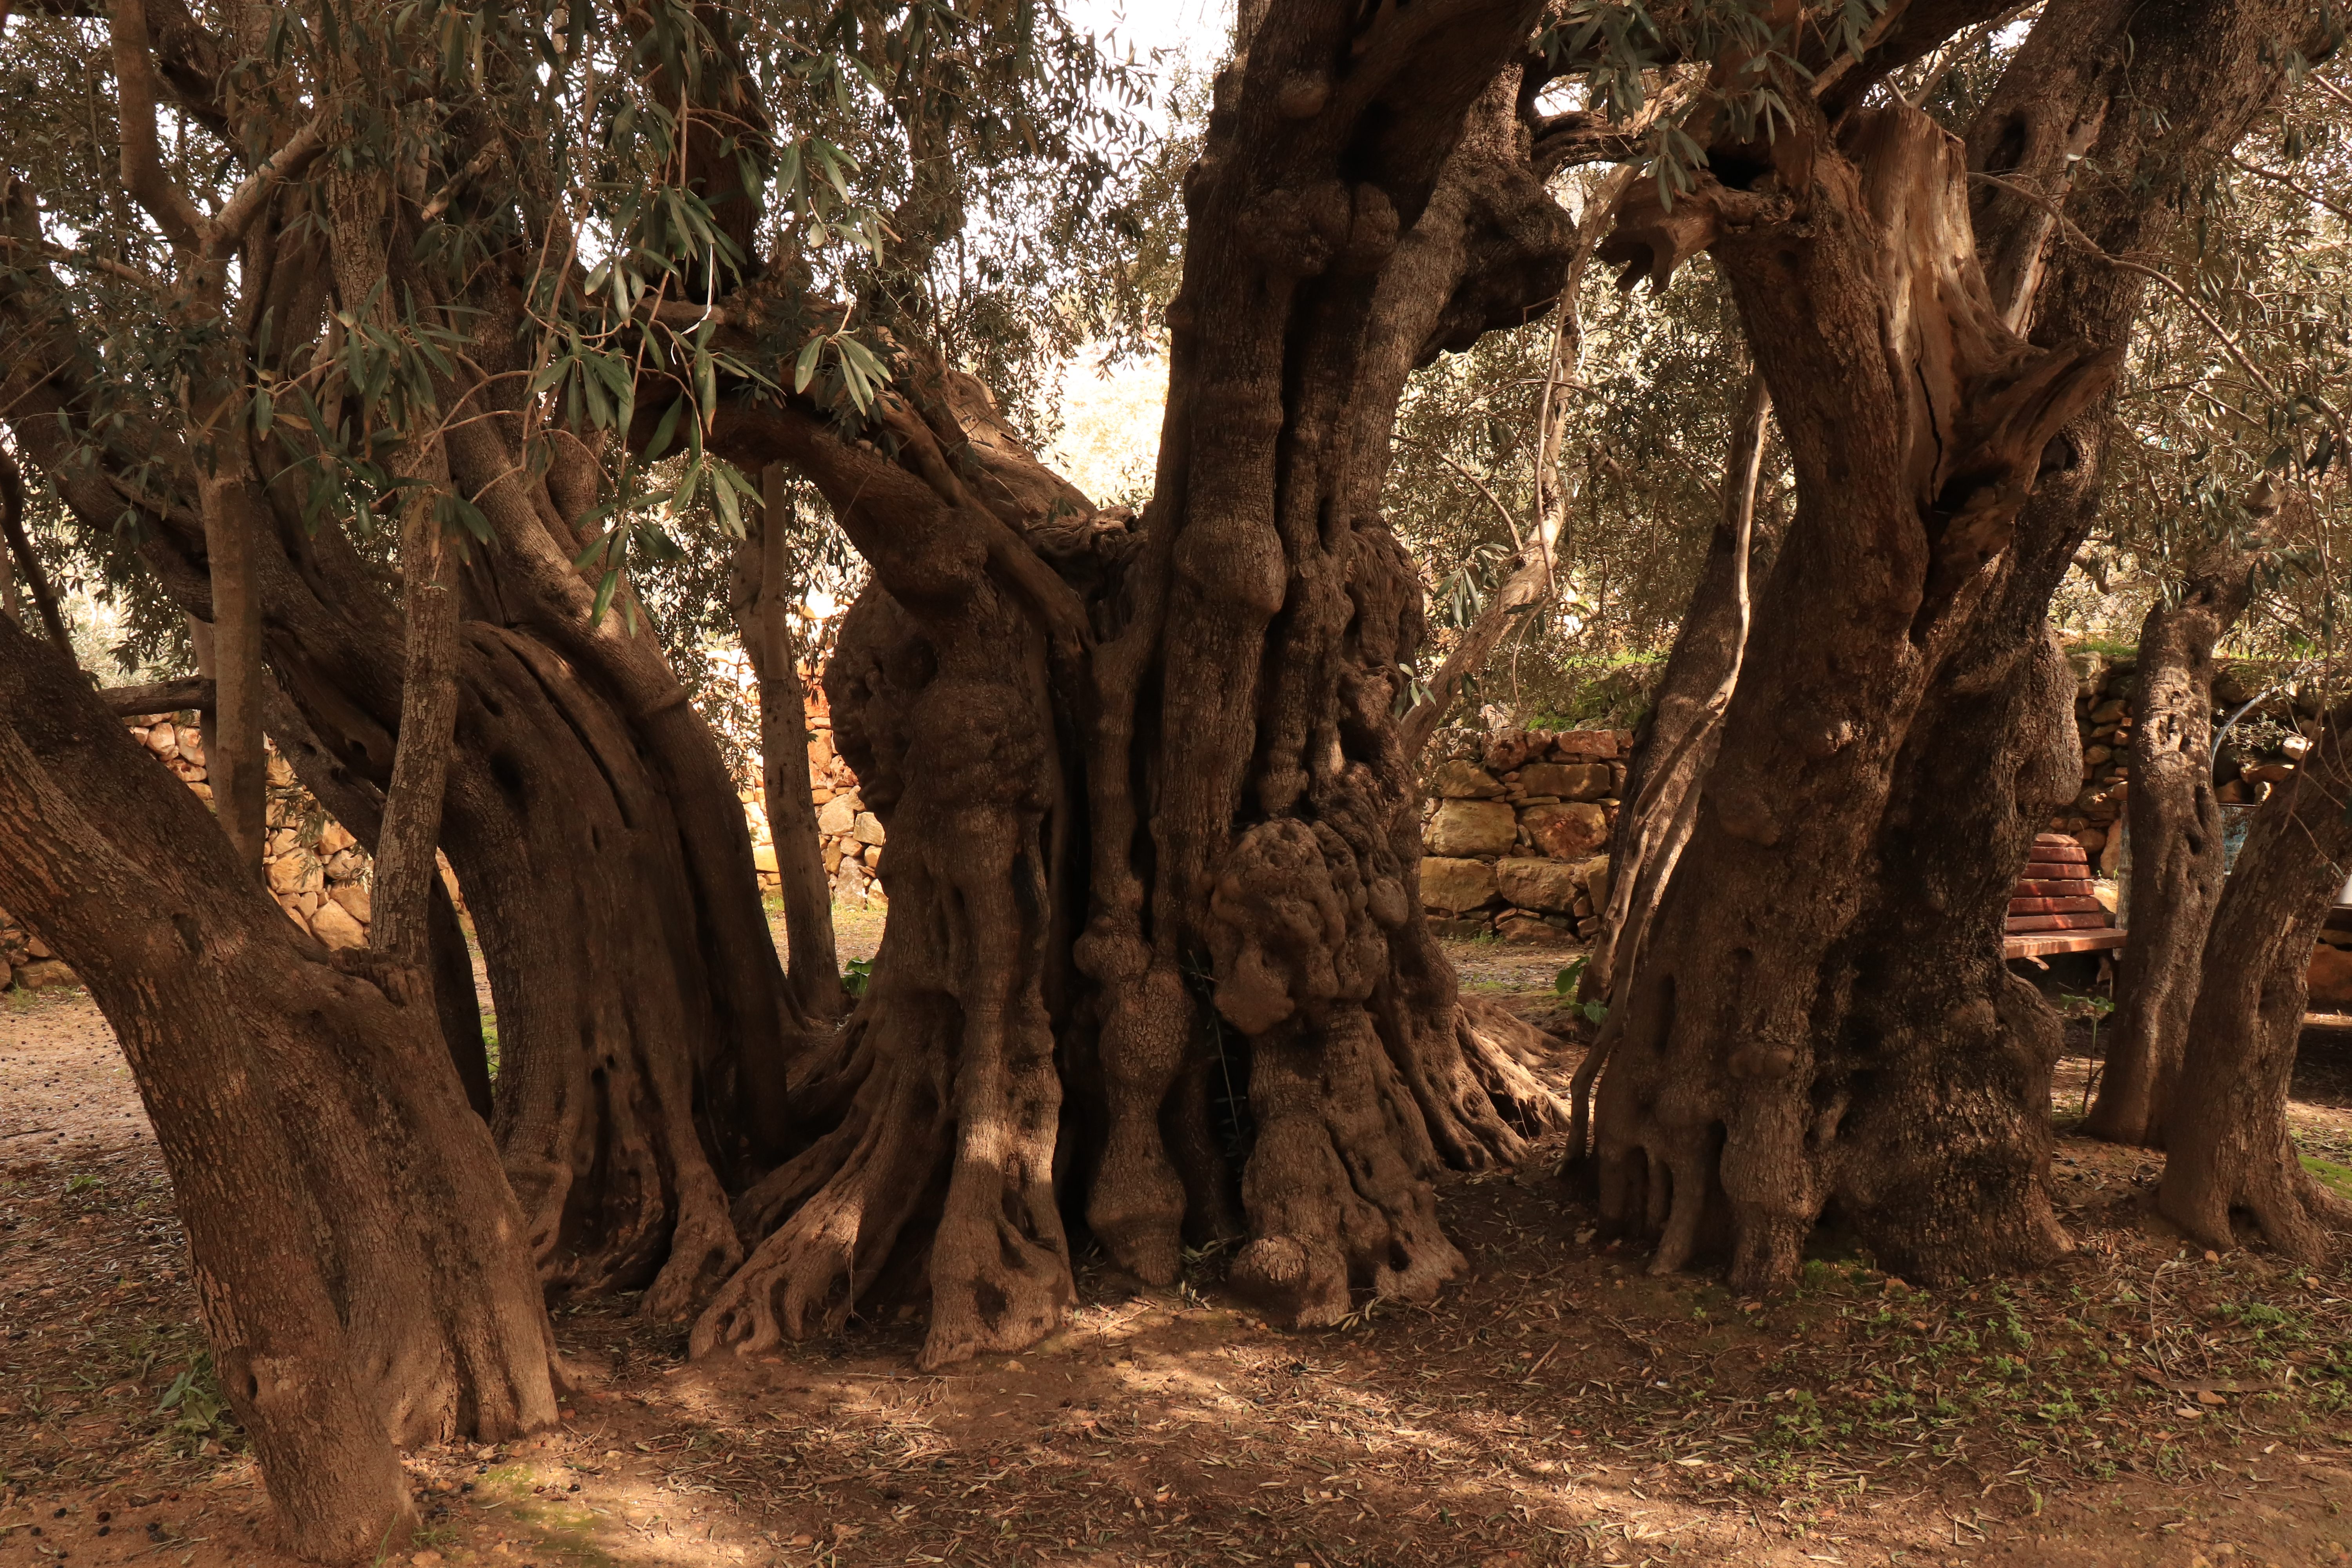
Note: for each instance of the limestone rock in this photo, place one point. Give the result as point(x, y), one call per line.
point(295, 872)
point(1593, 874)
point(43, 974)
point(1471, 827)
point(1525, 929)
point(334, 839)
point(763, 859)
point(1449, 883)
point(1572, 830)
point(1532, 884)
point(1507, 749)
point(2330, 979)
point(1585, 745)
point(839, 815)
point(868, 828)
point(356, 900)
point(1464, 780)
point(1568, 781)
point(332, 924)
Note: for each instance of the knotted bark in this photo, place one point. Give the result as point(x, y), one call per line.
point(2230, 1152)
point(2177, 853)
point(1727, 1113)
point(1156, 957)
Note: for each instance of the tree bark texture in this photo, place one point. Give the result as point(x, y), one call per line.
point(1727, 1115)
point(408, 869)
point(1677, 737)
point(1994, 752)
point(1155, 961)
point(18, 546)
point(354, 1243)
point(237, 762)
point(2229, 1153)
point(2175, 822)
point(359, 807)
point(1936, 1062)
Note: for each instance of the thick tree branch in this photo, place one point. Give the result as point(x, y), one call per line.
point(178, 695)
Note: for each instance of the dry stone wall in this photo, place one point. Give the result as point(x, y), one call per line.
point(315, 868)
point(849, 836)
point(1516, 832)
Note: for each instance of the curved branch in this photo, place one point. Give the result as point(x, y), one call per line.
point(20, 548)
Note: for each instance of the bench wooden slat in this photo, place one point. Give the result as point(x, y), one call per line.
point(2056, 922)
point(2073, 904)
point(2061, 942)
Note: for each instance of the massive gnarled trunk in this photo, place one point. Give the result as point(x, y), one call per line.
point(1926, 1064)
point(2177, 853)
point(356, 1248)
point(1729, 1113)
point(1994, 752)
point(1155, 961)
point(2229, 1151)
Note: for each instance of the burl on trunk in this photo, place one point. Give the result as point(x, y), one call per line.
point(1155, 956)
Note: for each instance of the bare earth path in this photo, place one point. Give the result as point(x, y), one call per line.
point(2138, 1404)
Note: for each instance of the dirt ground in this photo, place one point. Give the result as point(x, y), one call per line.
point(2139, 1404)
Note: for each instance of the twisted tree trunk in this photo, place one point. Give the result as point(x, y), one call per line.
point(2176, 854)
point(1926, 1064)
point(2229, 1151)
point(1156, 957)
point(355, 1242)
point(1727, 1114)
point(643, 1021)
point(1994, 752)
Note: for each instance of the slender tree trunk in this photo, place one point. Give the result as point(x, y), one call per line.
point(354, 1241)
point(1678, 737)
point(18, 547)
point(1671, 756)
point(406, 868)
point(234, 760)
point(2177, 855)
point(8, 605)
point(358, 804)
point(2226, 1136)
point(1534, 580)
point(764, 596)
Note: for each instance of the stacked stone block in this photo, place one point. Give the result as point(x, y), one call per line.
point(1517, 832)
